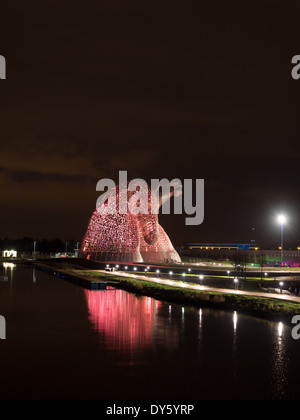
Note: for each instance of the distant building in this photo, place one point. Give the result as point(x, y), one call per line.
point(9, 254)
point(219, 246)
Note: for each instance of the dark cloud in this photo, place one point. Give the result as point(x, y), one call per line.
point(199, 89)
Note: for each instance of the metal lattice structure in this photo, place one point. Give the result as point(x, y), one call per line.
point(127, 237)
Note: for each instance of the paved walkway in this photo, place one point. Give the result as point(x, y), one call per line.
point(167, 282)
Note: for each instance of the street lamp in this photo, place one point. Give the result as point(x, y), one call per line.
point(201, 279)
point(282, 221)
point(236, 282)
point(34, 249)
point(281, 285)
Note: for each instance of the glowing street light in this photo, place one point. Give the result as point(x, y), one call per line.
point(282, 221)
point(236, 282)
point(201, 279)
point(281, 286)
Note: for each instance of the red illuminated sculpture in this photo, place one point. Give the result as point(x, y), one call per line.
point(127, 237)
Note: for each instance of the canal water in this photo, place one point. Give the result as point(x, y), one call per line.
point(64, 342)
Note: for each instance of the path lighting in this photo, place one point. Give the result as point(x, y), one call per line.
point(281, 286)
point(228, 273)
point(157, 272)
point(171, 273)
point(236, 282)
point(266, 274)
point(183, 274)
point(134, 268)
point(201, 279)
point(126, 268)
point(282, 221)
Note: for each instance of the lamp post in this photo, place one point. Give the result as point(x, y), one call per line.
point(201, 279)
point(236, 282)
point(34, 249)
point(281, 285)
point(282, 221)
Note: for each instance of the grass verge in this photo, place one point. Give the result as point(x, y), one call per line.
point(255, 305)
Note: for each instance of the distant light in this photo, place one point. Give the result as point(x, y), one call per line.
point(183, 274)
point(236, 280)
point(189, 269)
point(157, 271)
point(126, 268)
point(281, 284)
point(9, 254)
point(281, 219)
point(201, 277)
point(171, 272)
point(135, 268)
point(266, 274)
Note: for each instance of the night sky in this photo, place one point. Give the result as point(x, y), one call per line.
point(163, 89)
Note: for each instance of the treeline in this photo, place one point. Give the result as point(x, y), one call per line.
point(44, 246)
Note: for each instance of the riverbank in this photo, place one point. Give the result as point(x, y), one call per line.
point(270, 308)
point(277, 309)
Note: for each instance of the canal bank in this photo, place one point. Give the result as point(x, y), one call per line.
point(87, 276)
point(261, 306)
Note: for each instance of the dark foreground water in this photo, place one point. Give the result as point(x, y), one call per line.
point(66, 342)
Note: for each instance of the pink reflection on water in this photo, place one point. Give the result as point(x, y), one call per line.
point(125, 321)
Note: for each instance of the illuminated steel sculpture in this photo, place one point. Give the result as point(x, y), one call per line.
point(127, 237)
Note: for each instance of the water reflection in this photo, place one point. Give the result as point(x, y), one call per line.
point(279, 362)
point(9, 274)
point(126, 322)
point(33, 276)
point(234, 346)
point(123, 320)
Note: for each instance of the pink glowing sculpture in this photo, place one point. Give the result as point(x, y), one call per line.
point(127, 237)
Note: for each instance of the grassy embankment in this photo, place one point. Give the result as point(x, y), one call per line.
point(261, 306)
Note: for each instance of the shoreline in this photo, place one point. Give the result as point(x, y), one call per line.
point(263, 307)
